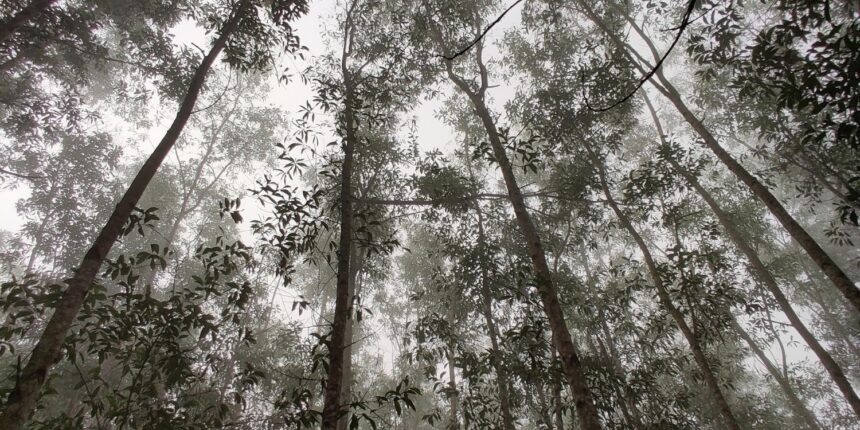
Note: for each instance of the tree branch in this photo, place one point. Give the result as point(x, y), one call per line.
point(684, 22)
point(483, 33)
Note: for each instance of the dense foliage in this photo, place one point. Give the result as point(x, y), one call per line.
point(401, 214)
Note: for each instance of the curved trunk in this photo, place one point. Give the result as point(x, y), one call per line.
point(663, 295)
point(22, 399)
point(764, 275)
point(24, 16)
point(561, 339)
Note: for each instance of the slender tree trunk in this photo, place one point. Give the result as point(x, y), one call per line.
point(663, 295)
point(558, 407)
point(764, 275)
point(186, 207)
point(23, 17)
point(487, 308)
point(356, 263)
point(22, 400)
point(837, 327)
point(454, 398)
point(836, 275)
point(334, 383)
point(794, 401)
point(587, 412)
point(610, 355)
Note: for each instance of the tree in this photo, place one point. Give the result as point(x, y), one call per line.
point(543, 279)
point(23, 398)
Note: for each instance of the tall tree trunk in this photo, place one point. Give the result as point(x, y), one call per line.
point(22, 399)
point(610, 354)
point(558, 407)
point(454, 421)
point(663, 295)
point(764, 275)
point(502, 380)
point(586, 411)
point(334, 382)
point(794, 401)
point(839, 278)
point(24, 16)
point(356, 263)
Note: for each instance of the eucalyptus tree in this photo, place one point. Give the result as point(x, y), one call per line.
point(825, 262)
point(241, 27)
point(448, 27)
point(762, 272)
point(369, 90)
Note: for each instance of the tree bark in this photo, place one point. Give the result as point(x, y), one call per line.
point(334, 382)
point(24, 16)
point(356, 263)
point(663, 295)
point(587, 412)
point(22, 400)
point(764, 275)
point(797, 405)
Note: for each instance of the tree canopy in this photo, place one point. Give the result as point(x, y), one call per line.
point(435, 214)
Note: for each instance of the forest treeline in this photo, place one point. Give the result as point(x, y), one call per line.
point(640, 215)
